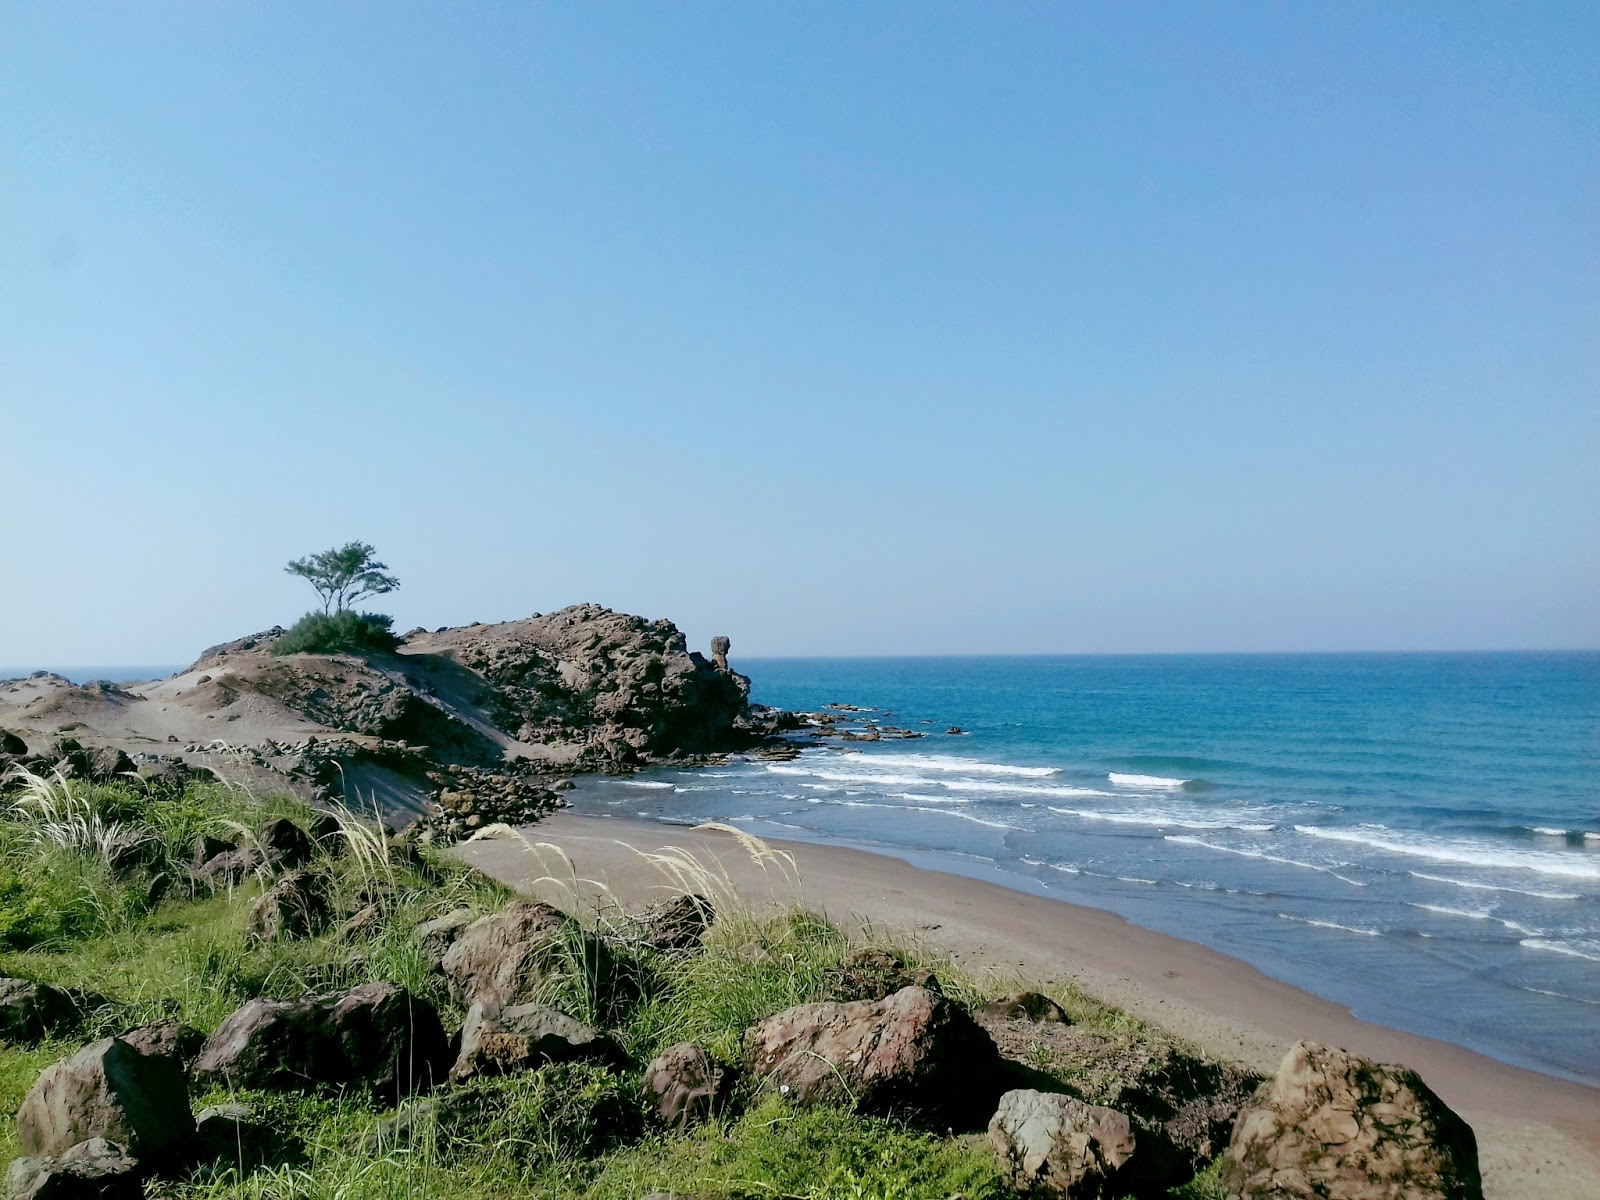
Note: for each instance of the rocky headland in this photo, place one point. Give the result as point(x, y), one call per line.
point(460, 727)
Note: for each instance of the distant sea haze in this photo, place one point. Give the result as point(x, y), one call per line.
point(1416, 836)
point(86, 674)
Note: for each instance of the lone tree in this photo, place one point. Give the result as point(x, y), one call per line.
point(344, 576)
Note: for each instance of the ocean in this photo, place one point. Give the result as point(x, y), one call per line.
point(1415, 836)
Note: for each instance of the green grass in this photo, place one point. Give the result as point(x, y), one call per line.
point(562, 1132)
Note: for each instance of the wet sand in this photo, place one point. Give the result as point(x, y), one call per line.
point(1538, 1136)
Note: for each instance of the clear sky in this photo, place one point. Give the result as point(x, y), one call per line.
point(837, 328)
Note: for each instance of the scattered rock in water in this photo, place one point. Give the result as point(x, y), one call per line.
point(300, 905)
point(1054, 1146)
point(955, 729)
point(676, 924)
point(500, 960)
point(377, 1035)
point(1331, 1126)
point(31, 1012)
point(95, 1169)
point(686, 1085)
point(167, 1039)
point(524, 1037)
point(106, 1090)
point(914, 1053)
point(1025, 1006)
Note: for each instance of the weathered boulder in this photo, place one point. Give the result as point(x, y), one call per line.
point(915, 1053)
point(230, 1134)
point(523, 1037)
point(1057, 1146)
point(109, 763)
point(719, 652)
point(30, 1012)
point(500, 960)
point(438, 935)
point(1025, 1006)
point(167, 1039)
point(284, 844)
point(676, 924)
point(1332, 1126)
point(686, 1085)
point(300, 905)
point(95, 1169)
point(11, 744)
point(377, 1035)
point(106, 1090)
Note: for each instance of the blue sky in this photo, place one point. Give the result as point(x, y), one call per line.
point(835, 328)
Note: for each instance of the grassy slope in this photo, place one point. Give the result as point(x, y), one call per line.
point(562, 1131)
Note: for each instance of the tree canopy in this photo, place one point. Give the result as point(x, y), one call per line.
point(344, 575)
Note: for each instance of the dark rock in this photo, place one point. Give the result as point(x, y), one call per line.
point(95, 1169)
point(377, 1035)
point(1025, 1006)
point(1055, 1146)
point(31, 1012)
point(230, 1134)
point(167, 1039)
point(1332, 1126)
point(106, 1090)
point(438, 935)
point(687, 1085)
point(873, 974)
point(108, 763)
point(525, 1036)
point(676, 924)
point(913, 1053)
point(500, 960)
point(11, 744)
point(300, 905)
point(284, 844)
point(719, 652)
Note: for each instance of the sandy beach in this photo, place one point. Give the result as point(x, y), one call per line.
point(1538, 1136)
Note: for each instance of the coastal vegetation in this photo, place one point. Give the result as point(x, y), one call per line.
point(158, 895)
point(342, 576)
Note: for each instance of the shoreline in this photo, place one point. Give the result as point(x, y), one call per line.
point(1538, 1134)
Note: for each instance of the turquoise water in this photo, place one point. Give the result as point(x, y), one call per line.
point(1415, 836)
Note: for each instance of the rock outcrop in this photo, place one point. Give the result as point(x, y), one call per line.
point(914, 1053)
point(377, 1035)
point(106, 1090)
point(1331, 1126)
point(1054, 1147)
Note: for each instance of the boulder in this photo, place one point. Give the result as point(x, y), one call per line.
point(300, 905)
point(218, 870)
point(106, 1090)
point(1057, 1146)
point(523, 1037)
point(109, 763)
point(438, 935)
point(1025, 1006)
point(500, 960)
point(167, 1039)
point(11, 744)
point(95, 1169)
point(1337, 1127)
point(30, 1012)
point(284, 844)
point(915, 1053)
point(719, 652)
point(230, 1134)
point(377, 1035)
point(676, 924)
point(686, 1085)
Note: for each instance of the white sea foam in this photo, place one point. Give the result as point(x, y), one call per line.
point(1185, 840)
point(1156, 820)
point(933, 799)
point(1590, 950)
point(951, 762)
point(1478, 854)
point(1494, 887)
point(1548, 832)
point(1145, 781)
point(1332, 925)
point(1446, 910)
point(643, 783)
point(890, 779)
point(1062, 867)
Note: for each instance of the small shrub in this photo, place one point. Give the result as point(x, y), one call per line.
point(343, 632)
